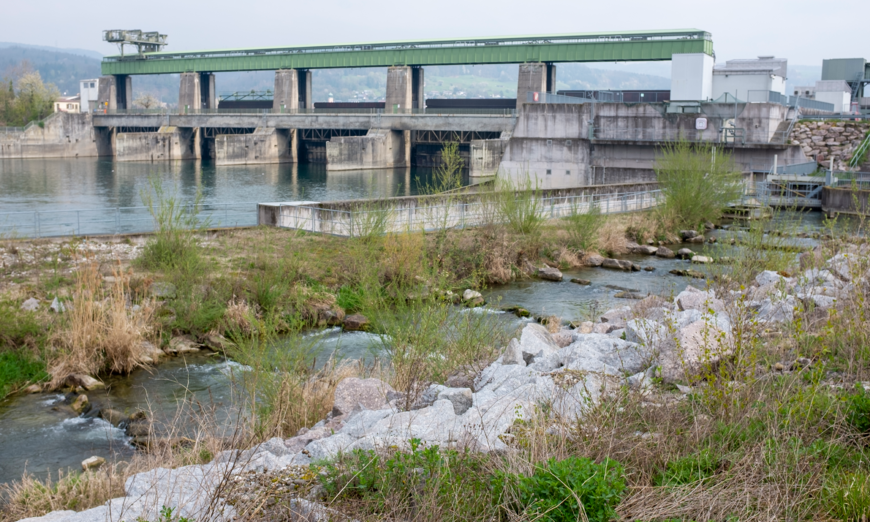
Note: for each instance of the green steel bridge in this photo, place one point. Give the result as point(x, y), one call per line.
point(622, 46)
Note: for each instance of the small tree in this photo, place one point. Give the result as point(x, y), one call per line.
point(448, 175)
point(35, 100)
point(147, 101)
point(697, 181)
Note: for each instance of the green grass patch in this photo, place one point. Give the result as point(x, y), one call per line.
point(18, 368)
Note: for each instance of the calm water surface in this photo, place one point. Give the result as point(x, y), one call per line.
point(88, 183)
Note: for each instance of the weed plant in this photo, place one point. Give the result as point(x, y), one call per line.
point(697, 181)
point(174, 242)
point(519, 204)
point(584, 227)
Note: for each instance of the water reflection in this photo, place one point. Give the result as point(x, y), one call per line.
point(94, 183)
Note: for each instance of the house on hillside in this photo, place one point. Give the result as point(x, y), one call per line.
point(68, 104)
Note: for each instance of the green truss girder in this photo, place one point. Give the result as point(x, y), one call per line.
point(618, 51)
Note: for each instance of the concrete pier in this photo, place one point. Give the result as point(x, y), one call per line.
point(535, 77)
point(265, 145)
point(115, 92)
point(486, 155)
point(380, 148)
point(167, 144)
point(292, 90)
point(207, 91)
point(189, 92)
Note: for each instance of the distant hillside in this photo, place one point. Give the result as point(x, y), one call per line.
point(79, 52)
point(62, 69)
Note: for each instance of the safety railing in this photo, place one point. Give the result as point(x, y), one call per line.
point(859, 180)
point(114, 221)
point(502, 113)
point(383, 216)
point(11, 130)
point(860, 154)
point(548, 97)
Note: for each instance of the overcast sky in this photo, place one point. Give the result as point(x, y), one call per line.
point(804, 32)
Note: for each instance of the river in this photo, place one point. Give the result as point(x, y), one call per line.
point(39, 436)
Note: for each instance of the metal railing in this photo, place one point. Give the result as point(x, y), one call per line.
point(501, 113)
point(451, 215)
point(114, 221)
point(861, 152)
point(760, 96)
point(11, 130)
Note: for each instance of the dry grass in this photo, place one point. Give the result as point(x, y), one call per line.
point(300, 403)
point(103, 333)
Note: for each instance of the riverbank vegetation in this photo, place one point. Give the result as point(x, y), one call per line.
point(779, 428)
point(25, 98)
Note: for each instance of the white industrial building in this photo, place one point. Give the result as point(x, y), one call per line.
point(750, 80)
point(88, 90)
point(696, 77)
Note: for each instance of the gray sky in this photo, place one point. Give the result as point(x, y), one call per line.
point(804, 32)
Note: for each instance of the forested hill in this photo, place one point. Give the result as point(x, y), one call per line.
point(62, 69)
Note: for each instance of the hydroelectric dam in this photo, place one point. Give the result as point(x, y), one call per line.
point(563, 140)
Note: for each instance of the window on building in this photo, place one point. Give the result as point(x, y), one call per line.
point(92, 85)
point(567, 172)
point(549, 172)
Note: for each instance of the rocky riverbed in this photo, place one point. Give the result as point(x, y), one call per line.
point(570, 370)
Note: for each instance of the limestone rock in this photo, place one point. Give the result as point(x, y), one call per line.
point(150, 353)
point(182, 344)
point(536, 341)
point(584, 282)
point(75, 380)
point(617, 316)
point(57, 306)
point(693, 299)
point(643, 249)
point(620, 264)
point(356, 322)
point(30, 305)
point(550, 274)
point(371, 394)
point(585, 327)
point(701, 344)
point(685, 253)
point(688, 234)
point(768, 277)
point(470, 294)
point(93, 463)
point(702, 259)
point(460, 398)
point(81, 404)
point(665, 252)
point(593, 260)
point(113, 417)
point(513, 353)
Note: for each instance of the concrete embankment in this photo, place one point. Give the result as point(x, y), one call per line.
point(61, 135)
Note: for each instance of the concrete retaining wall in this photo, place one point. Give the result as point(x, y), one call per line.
point(361, 217)
point(486, 156)
point(62, 135)
point(845, 200)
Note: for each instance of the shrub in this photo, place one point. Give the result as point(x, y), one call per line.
point(519, 205)
point(858, 409)
point(554, 490)
point(442, 484)
point(174, 243)
point(583, 227)
point(697, 182)
point(688, 470)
